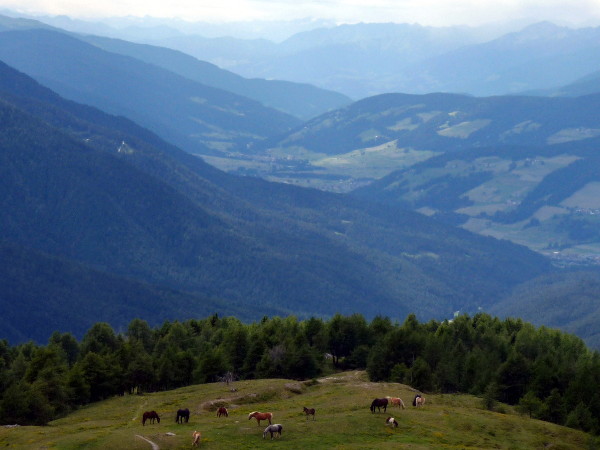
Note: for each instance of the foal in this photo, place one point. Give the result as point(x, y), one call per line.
point(309, 412)
point(391, 421)
point(196, 436)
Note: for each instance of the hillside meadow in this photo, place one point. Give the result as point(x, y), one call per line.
point(342, 420)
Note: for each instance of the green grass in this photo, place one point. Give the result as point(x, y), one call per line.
point(343, 420)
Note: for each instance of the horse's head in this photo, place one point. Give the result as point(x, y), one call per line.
point(251, 415)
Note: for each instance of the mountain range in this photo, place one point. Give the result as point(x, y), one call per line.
point(362, 60)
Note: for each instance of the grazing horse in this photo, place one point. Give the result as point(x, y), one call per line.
point(196, 436)
point(418, 400)
point(222, 411)
point(391, 421)
point(260, 416)
point(396, 401)
point(379, 403)
point(309, 412)
point(151, 416)
point(182, 414)
point(273, 429)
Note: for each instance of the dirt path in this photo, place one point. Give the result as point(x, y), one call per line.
point(154, 446)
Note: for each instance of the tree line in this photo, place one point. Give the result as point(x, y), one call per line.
point(548, 374)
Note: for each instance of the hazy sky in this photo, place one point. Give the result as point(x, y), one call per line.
point(425, 12)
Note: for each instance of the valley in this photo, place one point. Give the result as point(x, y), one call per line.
point(264, 196)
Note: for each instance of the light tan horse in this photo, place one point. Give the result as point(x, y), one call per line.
point(260, 416)
point(419, 400)
point(197, 436)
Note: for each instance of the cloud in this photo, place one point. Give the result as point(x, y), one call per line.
point(426, 12)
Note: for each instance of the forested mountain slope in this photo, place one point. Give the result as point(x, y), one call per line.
point(544, 197)
point(101, 191)
point(199, 118)
point(300, 100)
point(371, 138)
point(445, 122)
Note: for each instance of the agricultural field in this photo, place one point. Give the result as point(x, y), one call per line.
point(342, 420)
point(336, 173)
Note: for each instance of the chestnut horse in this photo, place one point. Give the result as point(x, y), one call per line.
point(396, 401)
point(222, 411)
point(379, 403)
point(260, 416)
point(151, 416)
point(309, 412)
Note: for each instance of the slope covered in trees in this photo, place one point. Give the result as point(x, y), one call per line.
point(105, 193)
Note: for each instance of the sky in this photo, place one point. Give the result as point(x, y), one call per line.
point(425, 12)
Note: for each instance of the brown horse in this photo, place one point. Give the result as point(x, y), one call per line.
point(196, 436)
point(260, 416)
point(418, 400)
point(222, 411)
point(396, 401)
point(151, 416)
point(379, 403)
point(309, 412)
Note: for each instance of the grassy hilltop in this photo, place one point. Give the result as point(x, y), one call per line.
point(343, 420)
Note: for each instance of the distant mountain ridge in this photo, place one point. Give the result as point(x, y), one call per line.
point(363, 60)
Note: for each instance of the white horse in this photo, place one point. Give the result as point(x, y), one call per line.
point(273, 429)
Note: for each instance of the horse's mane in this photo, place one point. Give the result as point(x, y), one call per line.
point(253, 412)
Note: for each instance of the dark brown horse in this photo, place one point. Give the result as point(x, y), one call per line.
point(182, 414)
point(222, 411)
point(309, 412)
point(379, 403)
point(260, 416)
point(151, 416)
